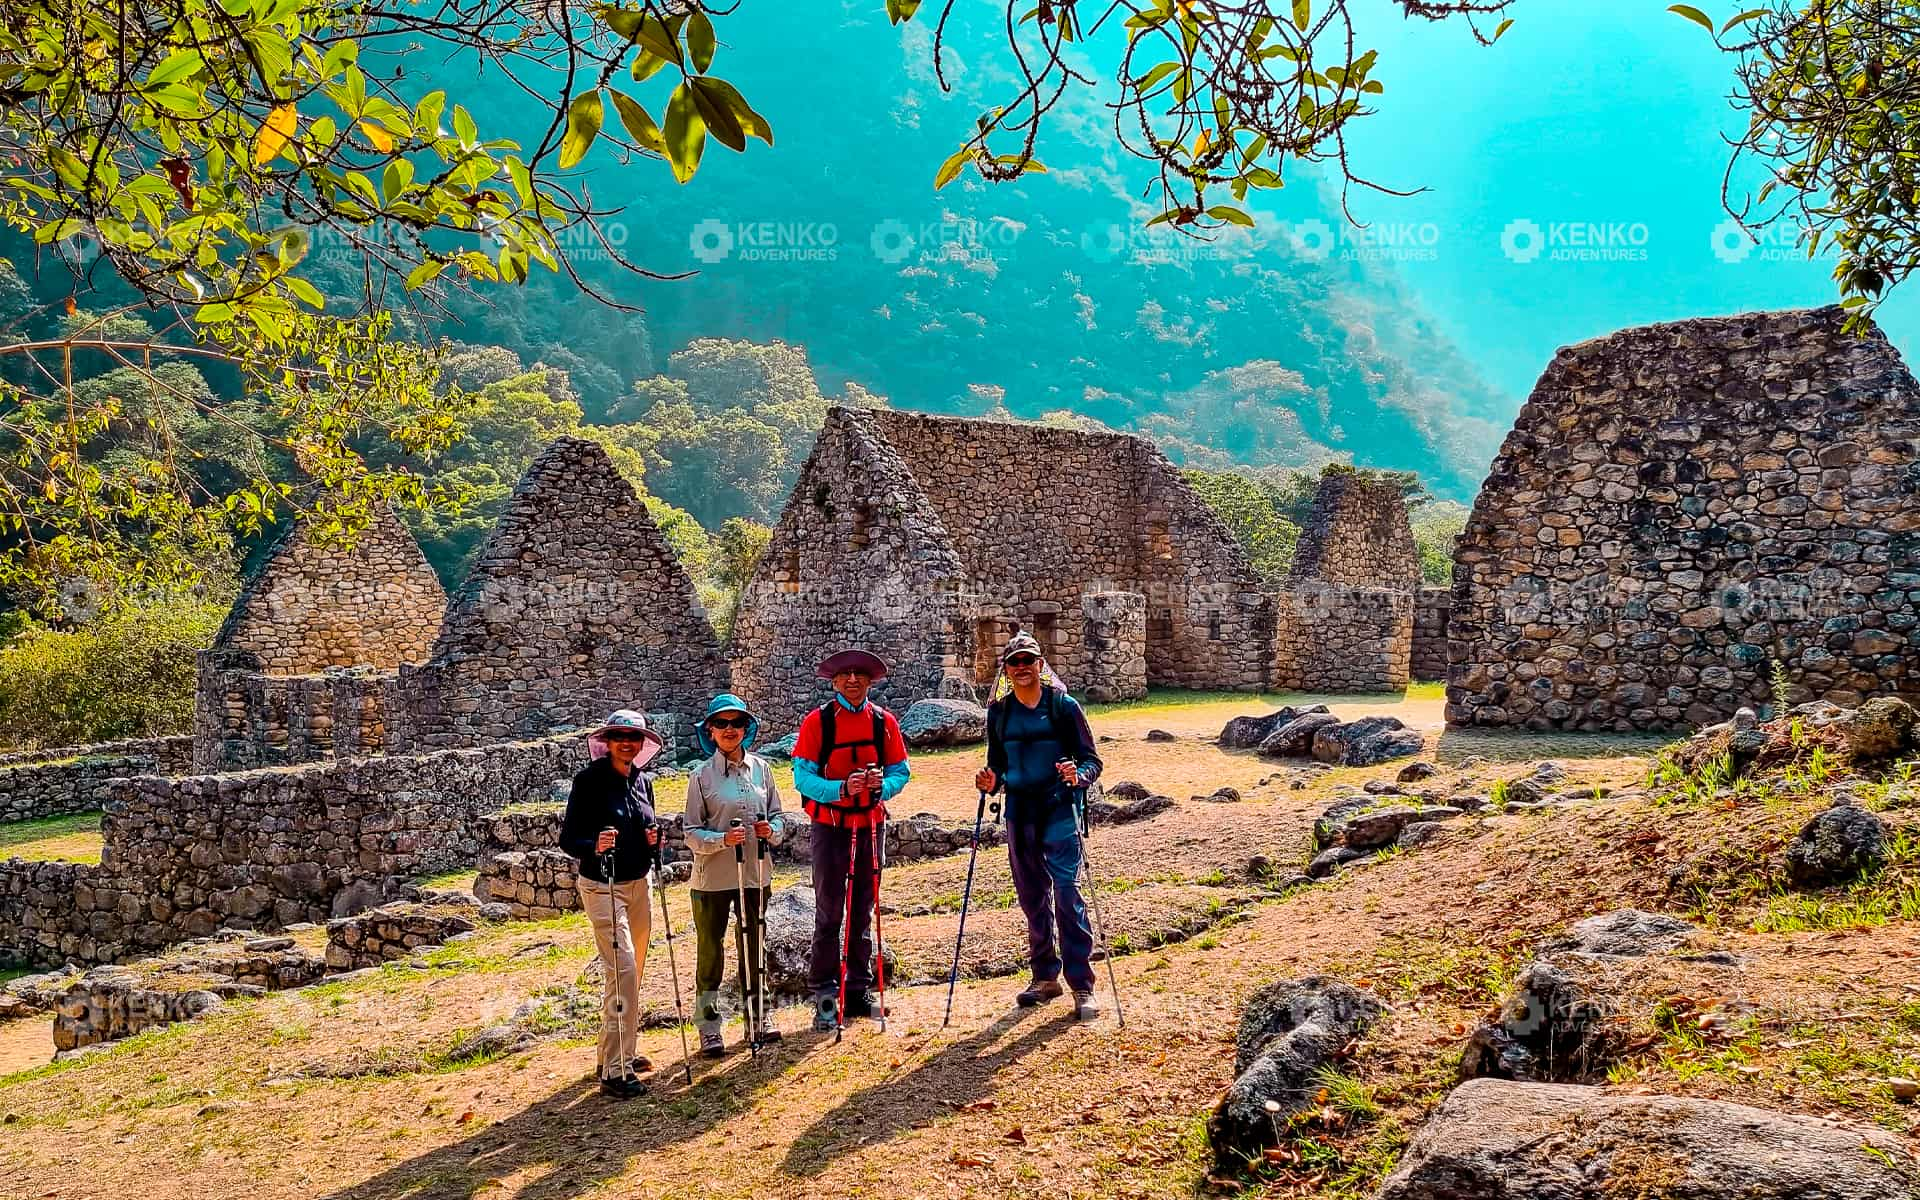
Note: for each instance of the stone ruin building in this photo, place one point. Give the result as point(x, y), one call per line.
point(1678, 508)
point(291, 675)
point(1351, 588)
point(929, 538)
point(574, 606)
point(391, 732)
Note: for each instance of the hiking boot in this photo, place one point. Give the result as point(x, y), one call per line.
point(825, 1010)
point(712, 1045)
point(1085, 1007)
point(1039, 992)
point(769, 1036)
point(864, 1004)
point(622, 1087)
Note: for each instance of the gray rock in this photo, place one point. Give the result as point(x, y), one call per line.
point(1366, 742)
point(1381, 787)
point(1330, 860)
point(1379, 827)
point(1295, 738)
point(1289, 1032)
point(944, 723)
point(1882, 728)
point(1523, 790)
point(1160, 735)
point(790, 941)
point(1837, 845)
point(1414, 772)
point(1220, 795)
point(1127, 789)
point(1549, 772)
point(1100, 812)
point(1333, 822)
point(1246, 733)
point(779, 751)
point(1499, 1140)
point(1627, 933)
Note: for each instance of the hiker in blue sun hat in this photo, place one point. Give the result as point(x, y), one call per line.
point(733, 822)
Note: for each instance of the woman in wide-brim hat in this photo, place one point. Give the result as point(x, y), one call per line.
point(731, 786)
point(610, 822)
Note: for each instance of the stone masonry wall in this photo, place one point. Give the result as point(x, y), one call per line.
point(575, 606)
point(245, 718)
point(1357, 535)
point(1339, 639)
point(75, 779)
point(312, 605)
point(1116, 636)
point(1680, 505)
point(1429, 654)
point(263, 849)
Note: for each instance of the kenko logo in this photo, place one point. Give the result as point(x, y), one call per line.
point(1524, 241)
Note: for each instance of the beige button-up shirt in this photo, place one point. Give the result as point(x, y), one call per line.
point(718, 793)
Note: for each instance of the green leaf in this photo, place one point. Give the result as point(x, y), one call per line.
point(638, 123)
point(1229, 214)
point(751, 123)
point(305, 292)
point(1743, 18)
point(901, 10)
point(656, 39)
point(424, 272)
point(174, 68)
point(685, 132)
point(1503, 27)
point(700, 40)
point(950, 169)
point(719, 118)
point(1146, 82)
point(1302, 14)
point(1692, 14)
point(583, 125)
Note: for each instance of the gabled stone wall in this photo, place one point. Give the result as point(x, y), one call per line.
point(1677, 507)
point(1357, 535)
point(575, 606)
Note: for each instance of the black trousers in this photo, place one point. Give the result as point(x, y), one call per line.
point(834, 847)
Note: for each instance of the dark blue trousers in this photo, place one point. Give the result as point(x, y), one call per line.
point(1046, 878)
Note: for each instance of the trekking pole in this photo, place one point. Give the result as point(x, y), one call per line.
point(613, 923)
point(879, 938)
point(673, 968)
point(740, 940)
point(846, 940)
point(966, 896)
point(1093, 899)
point(760, 923)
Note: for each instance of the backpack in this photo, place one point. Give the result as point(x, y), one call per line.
point(1057, 725)
point(829, 743)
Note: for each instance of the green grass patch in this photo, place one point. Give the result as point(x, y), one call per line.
point(52, 838)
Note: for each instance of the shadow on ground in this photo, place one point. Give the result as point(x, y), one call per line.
point(954, 1077)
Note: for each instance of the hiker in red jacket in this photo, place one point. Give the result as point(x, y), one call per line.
point(848, 761)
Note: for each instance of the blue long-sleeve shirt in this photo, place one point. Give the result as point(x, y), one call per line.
point(814, 786)
point(1022, 754)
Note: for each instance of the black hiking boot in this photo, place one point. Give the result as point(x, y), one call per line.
point(1039, 992)
point(864, 1004)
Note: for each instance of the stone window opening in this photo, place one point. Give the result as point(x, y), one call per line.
point(986, 651)
point(1042, 630)
point(787, 574)
point(1159, 541)
point(1213, 626)
point(862, 526)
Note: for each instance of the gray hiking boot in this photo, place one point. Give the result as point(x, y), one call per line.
point(825, 1011)
point(1085, 1007)
point(1039, 992)
point(712, 1045)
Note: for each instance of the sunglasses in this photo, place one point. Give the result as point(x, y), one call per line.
point(729, 722)
point(623, 739)
point(1022, 660)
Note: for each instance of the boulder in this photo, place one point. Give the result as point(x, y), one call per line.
point(1289, 1032)
point(1330, 860)
point(942, 723)
point(1627, 933)
point(1220, 795)
point(1379, 827)
point(1548, 772)
point(1523, 789)
point(1295, 738)
point(790, 941)
point(1414, 772)
point(1500, 1140)
point(1246, 733)
point(1837, 845)
point(1331, 823)
point(1160, 735)
point(1127, 789)
point(1882, 728)
point(1101, 812)
point(778, 751)
point(1366, 742)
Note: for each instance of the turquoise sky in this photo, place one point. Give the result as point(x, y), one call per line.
point(1586, 113)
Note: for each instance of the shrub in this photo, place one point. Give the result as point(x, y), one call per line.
point(123, 675)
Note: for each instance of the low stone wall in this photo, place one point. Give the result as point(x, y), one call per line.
point(1342, 640)
point(75, 779)
point(1430, 608)
point(534, 884)
point(528, 828)
point(109, 1003)
point(245, 718)
point(393, 931)
point(264, 849)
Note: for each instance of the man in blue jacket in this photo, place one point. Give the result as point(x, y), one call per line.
point(1041, 752)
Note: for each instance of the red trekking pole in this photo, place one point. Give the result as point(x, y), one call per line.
point(879, 939)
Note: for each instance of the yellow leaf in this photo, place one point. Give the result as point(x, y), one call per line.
point(275, 132)
point(380, 139)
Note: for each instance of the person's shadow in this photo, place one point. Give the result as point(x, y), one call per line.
point(575, 1141)
point(954, 1077)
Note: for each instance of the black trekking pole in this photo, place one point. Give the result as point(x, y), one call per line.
point(740, 940)
point(966, 896)
point(673, 968)
point(760, 923)
point(879, 938)
point(1093, 899)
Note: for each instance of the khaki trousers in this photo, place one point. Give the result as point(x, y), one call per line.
point(616, 941)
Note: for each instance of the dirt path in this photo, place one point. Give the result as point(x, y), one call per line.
point(336, 1091)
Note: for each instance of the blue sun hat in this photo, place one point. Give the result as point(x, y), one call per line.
point(726, 702)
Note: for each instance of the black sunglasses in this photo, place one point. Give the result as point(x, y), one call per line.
point(729, 722)
point(1022, 660)
point(623, 739)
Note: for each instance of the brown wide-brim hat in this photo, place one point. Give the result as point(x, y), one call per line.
point(853, 660)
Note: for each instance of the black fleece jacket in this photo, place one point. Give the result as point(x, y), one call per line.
point(603, 797)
